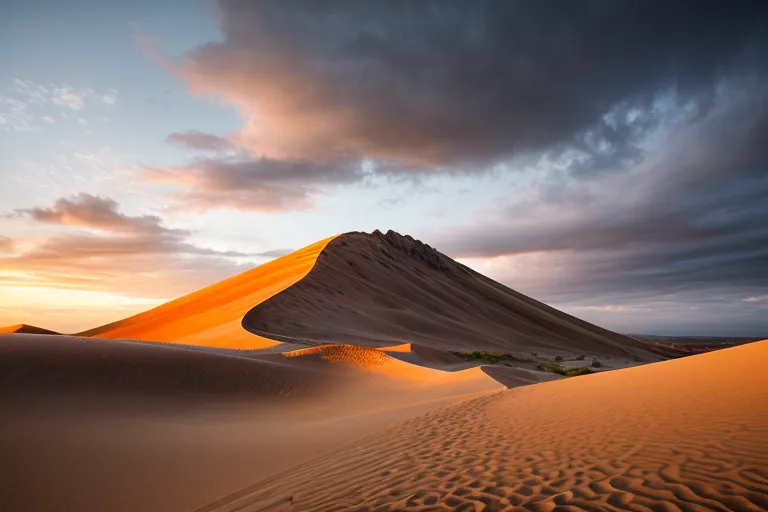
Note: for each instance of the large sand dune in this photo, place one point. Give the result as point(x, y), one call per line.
point(378, 290)
point(212, 316)
point(689, 434)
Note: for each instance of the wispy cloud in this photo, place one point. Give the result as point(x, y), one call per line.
point(105, 249)
point(260, 185)
point(24, 105)
point(198, 140)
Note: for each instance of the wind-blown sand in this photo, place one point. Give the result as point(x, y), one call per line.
point(212, 316)
point(383, 290)
point(689, 434)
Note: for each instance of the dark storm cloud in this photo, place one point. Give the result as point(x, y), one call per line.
point(645, 120)
point(687, 221)
point(437, 82)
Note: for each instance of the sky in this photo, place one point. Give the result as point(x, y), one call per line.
point(607, 158)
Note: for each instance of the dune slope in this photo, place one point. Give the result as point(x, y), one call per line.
point(688, 434)
point(376, 290)
point(100, 424)
point(25, 329)
point(212, 316)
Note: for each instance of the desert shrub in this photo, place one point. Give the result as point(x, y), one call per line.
point(550, 367)
point(491, 357)
point(581, 370)
point(596, 364)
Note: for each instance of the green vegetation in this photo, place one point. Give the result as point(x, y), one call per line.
point(546, 366)
point(492, 357)
point(488, 357)
point(556, 368)
point(575, 372)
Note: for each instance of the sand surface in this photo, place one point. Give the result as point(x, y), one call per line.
point(689, 434)
point(383, 290)
point(212, 316)
point(100, 424)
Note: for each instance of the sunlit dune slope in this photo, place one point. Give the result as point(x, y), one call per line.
point(25, 329)
point(212, 316)
point(688, 434)
point(424, 356)
point(377, 290)
point(377, 362)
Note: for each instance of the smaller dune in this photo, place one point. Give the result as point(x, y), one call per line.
point(423, 356)
point(25, 329)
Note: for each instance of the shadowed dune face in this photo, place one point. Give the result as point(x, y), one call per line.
point(212, 316)
point(25, 329)
point(379, 290)
point(101, 424)
point(688, 434)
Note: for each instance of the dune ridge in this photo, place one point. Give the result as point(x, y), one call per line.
point(212, 316)
point(383, 290)
point(688, 434)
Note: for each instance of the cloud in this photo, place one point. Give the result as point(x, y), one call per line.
point(445, 82)
point(261, 184)
point(111, 251)
point(25, 104)
point(88, 211)
point(110, 98)
point(71, 98)
point(6, 244)
point(199, 140)
point(684, 221)
point(275, 253)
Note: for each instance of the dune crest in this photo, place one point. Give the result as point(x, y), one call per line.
point(678, 435)
point(212, 316)
point(384, 290)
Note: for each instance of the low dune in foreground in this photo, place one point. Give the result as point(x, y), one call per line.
point(689, 434)
point(100, 424)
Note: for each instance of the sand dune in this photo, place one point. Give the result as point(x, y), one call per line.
point(100, 424)
point(212, 316)
point(383, 290)
point(423, 356)
point(25, 329)
point(689, 434)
